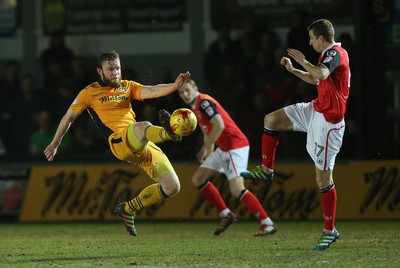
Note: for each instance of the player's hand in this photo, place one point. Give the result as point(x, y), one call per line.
point(285, 61)
point(203, 154)
point(296, 55)
point(182, 78)
point(50, 152)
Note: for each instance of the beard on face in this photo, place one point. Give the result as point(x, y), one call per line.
point(110, 83)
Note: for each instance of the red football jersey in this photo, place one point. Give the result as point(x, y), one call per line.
point(231, 137)
point(333, 92)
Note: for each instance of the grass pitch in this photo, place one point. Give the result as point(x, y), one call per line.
point(191, 244)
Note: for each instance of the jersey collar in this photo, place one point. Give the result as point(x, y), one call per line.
point(196, 99)
point(330, 46)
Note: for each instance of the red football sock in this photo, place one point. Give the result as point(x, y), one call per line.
point(328, 203)
point(252, 203)
point(269, 145)
point(213, 196)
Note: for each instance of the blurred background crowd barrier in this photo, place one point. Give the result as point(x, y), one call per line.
point(41, 193)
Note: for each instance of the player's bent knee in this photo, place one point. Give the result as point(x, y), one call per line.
point(235, 191)
point(170, 184)
point(197, 181)
point(171, 190)
point(236, 186)
point(269, 121)
point(141, 126)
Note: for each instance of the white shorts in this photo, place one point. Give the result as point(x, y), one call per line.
point(230, 163)
point(324, 139)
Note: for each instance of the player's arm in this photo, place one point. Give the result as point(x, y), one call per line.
point(62, 128)
point(210, 139)
point(305, 76)
point(205, 150)
point(320, 72)
point(217, 128)
point(156, 91)
point(209, 109)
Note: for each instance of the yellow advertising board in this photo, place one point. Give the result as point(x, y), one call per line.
point(366, 190)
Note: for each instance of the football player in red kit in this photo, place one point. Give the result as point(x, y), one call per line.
point(230, 158)
point(322, 119)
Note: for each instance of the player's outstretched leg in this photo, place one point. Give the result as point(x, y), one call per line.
point(258, 174)
point(326, 240)
point(128, 219)
point(224, 223)
point(164, 117)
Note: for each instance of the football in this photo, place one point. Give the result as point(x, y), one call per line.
point(183, 122)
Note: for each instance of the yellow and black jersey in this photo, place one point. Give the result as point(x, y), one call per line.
point(109, 107)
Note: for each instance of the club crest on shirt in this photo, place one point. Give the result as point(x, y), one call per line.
point(122, 89)
point(204, 104)
point(331, 53)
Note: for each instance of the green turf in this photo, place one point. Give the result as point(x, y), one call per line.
point(182, 244)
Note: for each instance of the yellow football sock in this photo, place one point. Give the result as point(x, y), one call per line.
point(151, 195)
point(156, 134)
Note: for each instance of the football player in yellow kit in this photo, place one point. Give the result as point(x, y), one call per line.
point(108, 102)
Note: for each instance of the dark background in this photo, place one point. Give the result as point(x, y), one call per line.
point(373, 124)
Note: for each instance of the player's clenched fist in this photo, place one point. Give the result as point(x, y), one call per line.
point(285, 61)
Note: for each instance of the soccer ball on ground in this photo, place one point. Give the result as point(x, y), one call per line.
point(183, 122)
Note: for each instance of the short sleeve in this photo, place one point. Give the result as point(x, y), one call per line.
point(81, 102)
point(331, 59)
point(208, 108)
point(135, 89)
